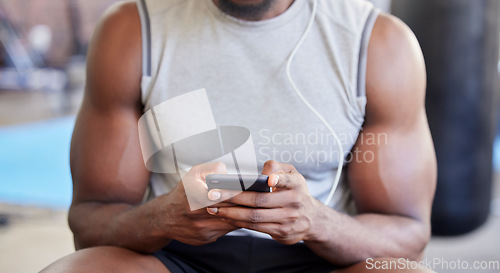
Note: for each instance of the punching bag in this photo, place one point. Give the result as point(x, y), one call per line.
point(460, 41)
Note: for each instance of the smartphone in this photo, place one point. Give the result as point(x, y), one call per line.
point(238, 182)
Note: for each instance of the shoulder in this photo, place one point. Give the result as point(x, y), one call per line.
point(114, 62)
point(396, 77)
point(391, 31)
point(121, 15)
point(119, 21)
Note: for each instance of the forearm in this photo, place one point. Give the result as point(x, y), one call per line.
point(123, 225)
point(345, 240)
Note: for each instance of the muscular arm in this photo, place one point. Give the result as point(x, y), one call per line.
point(394, 192)
point(109, 176)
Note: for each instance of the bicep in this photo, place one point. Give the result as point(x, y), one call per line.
point(106, 160)
point(395, 170)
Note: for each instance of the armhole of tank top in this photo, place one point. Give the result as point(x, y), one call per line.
point(362, 65)
point(146, 71)
point(146, 51)
point(363, 51)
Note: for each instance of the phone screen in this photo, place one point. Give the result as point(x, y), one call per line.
point(238, 182)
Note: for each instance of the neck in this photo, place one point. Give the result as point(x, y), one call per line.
point(253, 10)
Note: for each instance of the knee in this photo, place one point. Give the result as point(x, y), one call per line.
point(102, 259)
point(389, 265)
point(85, 260)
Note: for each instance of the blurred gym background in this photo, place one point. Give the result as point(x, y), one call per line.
point(42, 75)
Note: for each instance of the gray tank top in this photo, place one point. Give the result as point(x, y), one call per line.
point(191, 44)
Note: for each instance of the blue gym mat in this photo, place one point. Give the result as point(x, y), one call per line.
point(496, 154)
point(34, 163)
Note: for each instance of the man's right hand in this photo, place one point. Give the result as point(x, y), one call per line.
point(179, 222)
point(108, 171)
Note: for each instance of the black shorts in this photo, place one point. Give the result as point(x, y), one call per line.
point(233, 254)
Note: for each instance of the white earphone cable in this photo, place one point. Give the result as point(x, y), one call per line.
point(303, 99)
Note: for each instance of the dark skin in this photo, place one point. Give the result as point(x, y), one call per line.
point(393, 193)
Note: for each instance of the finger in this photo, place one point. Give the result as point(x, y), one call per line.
point(215, 208)
point(195, 185)
point(251, 199)
point(215, 224)
point(217, 196)
point(250, 214)
point(196, 191)
point(283, 180)
point(268, 228)
point(272, 166)
point(210, 168)
point(224, 204)
point(209, 210)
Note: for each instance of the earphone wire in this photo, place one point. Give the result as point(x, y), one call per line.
point(304, 100)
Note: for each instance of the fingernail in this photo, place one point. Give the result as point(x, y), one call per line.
point(213, 210)
point(276, 179)
point(214, 195)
